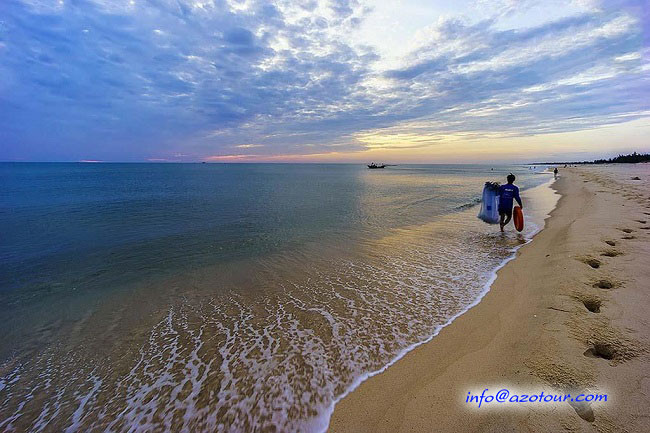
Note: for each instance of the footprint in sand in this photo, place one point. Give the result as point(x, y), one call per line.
point(616, 349)
point(641, 221)
point(594, 263)
point(584, 410)
point(592, 304)
point(604, 284)
point(628, 237)
point(611, 253)
point(626, 230)
point(602, 350)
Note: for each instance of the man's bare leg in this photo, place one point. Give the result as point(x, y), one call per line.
point(505, 219)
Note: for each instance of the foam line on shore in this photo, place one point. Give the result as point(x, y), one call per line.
point(321, 423)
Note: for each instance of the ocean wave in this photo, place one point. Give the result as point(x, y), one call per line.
point(276, 359)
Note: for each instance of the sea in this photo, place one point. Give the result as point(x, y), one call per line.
point(231, 297)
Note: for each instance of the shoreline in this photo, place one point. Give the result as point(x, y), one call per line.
point(138, 344)
point(326, 424)
point(490, 342)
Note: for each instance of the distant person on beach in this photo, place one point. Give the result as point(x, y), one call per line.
point(507, 193)
point(555, 172)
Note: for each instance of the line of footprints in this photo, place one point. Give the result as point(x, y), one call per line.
point(606, 342)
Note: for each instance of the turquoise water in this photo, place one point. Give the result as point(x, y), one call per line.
point(301, 278)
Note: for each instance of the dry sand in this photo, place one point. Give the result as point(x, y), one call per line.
point(570, 313)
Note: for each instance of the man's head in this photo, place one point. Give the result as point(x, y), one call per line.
point(510, 178)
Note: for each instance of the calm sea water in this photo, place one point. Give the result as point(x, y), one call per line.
point(150, 297)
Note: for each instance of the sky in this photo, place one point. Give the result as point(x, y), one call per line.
point(323, 80)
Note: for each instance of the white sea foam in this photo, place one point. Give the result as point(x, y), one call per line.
point(279, 360)
point(322, 423)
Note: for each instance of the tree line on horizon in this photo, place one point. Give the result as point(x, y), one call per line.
point(632, 158)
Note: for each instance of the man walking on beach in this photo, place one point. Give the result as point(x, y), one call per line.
point(506, 193)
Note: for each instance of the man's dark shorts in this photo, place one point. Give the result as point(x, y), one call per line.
point(507, 212)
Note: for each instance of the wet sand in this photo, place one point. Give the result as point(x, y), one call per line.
point(569, 314)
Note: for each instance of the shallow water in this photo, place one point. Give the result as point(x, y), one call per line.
point(152, 297)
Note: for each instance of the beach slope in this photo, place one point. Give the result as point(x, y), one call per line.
point(569, 314)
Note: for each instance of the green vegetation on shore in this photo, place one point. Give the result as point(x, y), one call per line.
point(632, 158)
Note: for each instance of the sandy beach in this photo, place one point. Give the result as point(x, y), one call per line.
point(568, 315)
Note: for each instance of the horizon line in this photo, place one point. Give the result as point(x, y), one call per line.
point(287, 162)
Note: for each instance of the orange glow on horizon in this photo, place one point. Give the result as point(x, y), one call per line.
point(383, 146)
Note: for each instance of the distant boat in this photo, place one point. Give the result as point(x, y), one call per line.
point(373, 165)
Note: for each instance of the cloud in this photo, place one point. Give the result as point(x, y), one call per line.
point(550, 74)
point(126, 80)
